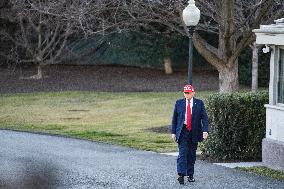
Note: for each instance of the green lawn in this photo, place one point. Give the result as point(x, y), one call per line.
point(117, 118)
point(264, 171)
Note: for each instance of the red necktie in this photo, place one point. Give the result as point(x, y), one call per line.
point(188, 116)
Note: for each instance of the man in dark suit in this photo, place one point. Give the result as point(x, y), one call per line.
point(189, 126)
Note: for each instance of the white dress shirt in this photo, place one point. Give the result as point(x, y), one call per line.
point(191, 104)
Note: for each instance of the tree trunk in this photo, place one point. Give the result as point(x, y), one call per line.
point(228, 79)
point(168, 65)
point(39, 56)
point(39, 72)
point(254, 70)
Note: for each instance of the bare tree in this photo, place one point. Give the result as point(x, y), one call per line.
point(45, 25)
point(39, 37)
point(43, 28)
point(255, 47)
point(231, 20)
point(236, 21)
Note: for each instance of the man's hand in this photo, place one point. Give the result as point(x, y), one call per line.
point(174, 137)
point(205, 135)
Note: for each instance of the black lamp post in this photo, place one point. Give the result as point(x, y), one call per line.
point(191, 17)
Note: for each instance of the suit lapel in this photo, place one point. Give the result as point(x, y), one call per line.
point(184, 105)
point(193, 108)
point(183, 109)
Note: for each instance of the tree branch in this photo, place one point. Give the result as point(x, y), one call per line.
point(207, 51)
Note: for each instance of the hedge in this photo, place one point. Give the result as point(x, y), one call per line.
point(236, 127)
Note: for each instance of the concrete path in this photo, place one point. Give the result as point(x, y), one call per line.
point(40, 161)
point(230, 165)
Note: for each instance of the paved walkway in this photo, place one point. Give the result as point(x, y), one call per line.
point(42, 161)
point(230, 165)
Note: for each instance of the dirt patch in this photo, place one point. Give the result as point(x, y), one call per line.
point(162, 129)
point(78, 110)
point(102, 78)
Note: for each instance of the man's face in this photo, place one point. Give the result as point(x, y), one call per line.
point(188, 95)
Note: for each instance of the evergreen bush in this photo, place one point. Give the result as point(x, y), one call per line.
point(237, 127)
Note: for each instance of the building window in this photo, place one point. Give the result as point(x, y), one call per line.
point(281, 78)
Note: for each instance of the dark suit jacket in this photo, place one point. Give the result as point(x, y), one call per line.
point(199, 119)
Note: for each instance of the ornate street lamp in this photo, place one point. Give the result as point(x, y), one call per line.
point(191, 17)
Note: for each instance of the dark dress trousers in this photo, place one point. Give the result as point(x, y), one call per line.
point(187, 141)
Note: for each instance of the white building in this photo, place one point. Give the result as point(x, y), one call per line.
point(273, 144)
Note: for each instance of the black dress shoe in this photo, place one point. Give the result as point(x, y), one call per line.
point(190, 178)
point(181, 180)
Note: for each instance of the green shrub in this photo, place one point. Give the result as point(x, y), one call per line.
point(236, 126)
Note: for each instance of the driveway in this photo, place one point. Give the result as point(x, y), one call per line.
point(41, 161)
